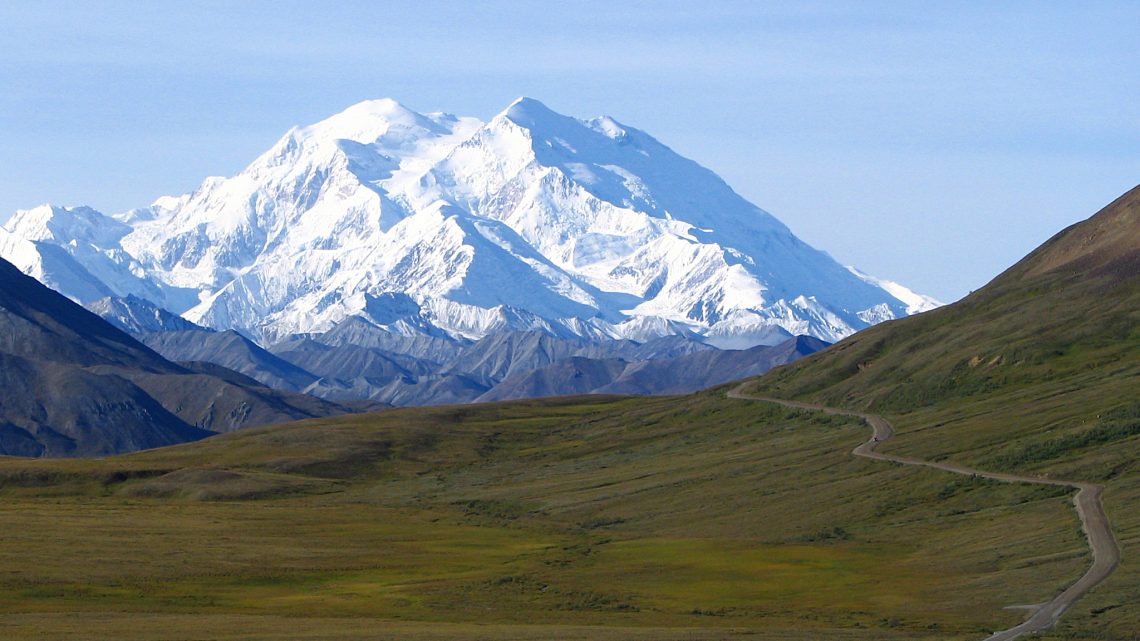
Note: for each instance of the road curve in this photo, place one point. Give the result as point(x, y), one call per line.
point(1090, 509)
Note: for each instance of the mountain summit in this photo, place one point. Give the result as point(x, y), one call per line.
point(441, 225)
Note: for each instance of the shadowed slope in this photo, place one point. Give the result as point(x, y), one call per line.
point(38, 323)
point(74, 385)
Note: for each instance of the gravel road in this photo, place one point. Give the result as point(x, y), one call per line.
point(1090, 508)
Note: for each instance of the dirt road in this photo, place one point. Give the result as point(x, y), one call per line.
point(1105, 551)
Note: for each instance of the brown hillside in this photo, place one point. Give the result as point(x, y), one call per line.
point(1107, 243)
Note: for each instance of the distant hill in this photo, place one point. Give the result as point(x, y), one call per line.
point(230, 350)
point(74, 385)
point(135, 315)
point(507, 365)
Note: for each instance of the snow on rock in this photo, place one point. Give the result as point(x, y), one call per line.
point(440, 225)
point(915, 303)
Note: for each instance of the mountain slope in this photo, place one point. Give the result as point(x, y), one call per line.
point(52, 405)
point(565, 377)
point(1037, 373)
point(232, 351)
point(1071, 304)
point(40, 324)
point(51, 409)
point(76, 386)
point(441, 226)
point(709, 368)
point(136, 316)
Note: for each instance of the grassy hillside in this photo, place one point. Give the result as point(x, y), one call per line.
point(597, 518)
point(1038, 372)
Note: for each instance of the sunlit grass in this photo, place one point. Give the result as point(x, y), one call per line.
point(690, 514)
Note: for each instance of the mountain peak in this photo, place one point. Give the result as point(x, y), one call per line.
point(531, 113)
point(368, 120)
point(528, 112)
point(574, 226)
point(383, 107)
point(54, 223)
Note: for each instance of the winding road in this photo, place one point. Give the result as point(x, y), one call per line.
point(1094, 521)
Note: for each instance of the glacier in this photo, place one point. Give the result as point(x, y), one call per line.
point(444, 226)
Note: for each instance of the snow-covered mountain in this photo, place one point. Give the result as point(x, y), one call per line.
point(445, 226)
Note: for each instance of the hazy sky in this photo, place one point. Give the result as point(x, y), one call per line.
point(929, 143)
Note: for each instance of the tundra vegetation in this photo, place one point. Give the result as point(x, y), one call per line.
point(683, 517)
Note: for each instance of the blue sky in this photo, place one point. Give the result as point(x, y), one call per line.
point(929, 143)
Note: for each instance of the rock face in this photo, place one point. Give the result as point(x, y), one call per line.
point(74, 385)
point(433, 226)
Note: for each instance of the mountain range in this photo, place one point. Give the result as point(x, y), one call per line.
point(78, 385)
point(432, 225)
point(386, 257)
point(501, 366)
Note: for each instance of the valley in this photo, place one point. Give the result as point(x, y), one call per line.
point(676, 517)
